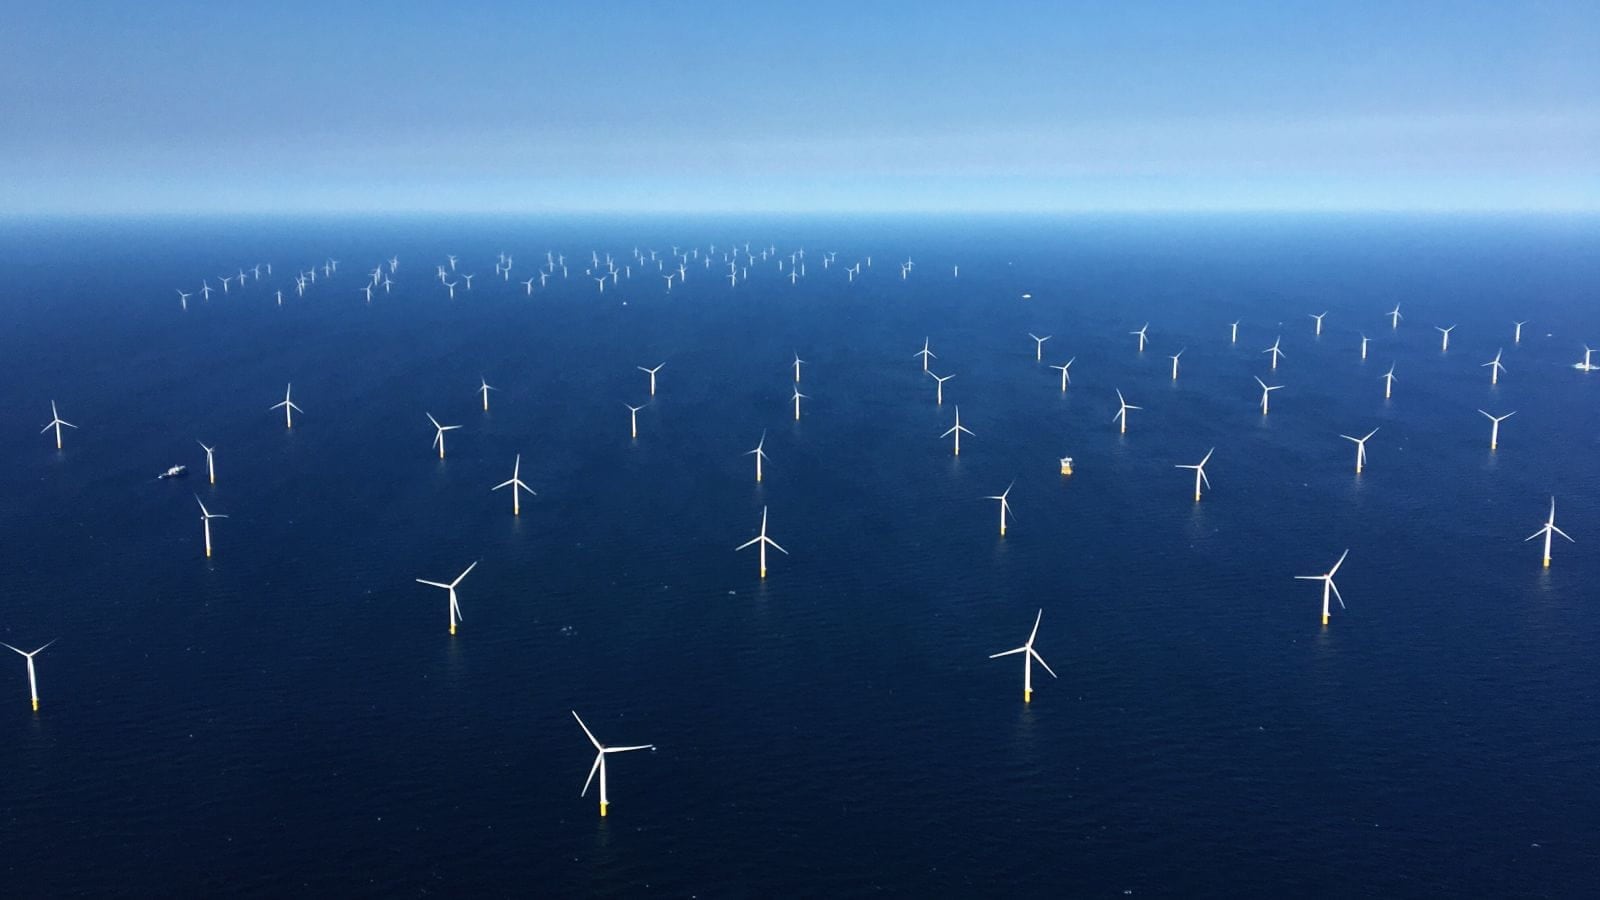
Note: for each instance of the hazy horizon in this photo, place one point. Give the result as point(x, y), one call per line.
point(712, 107)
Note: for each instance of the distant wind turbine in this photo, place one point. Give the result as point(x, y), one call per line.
point(1266, 391)
point(1122, 411)
point(56, 422)
point(515, 483)
point(1327, 585)
point(1495, 367)
point(455, 607)
point(1548, 529)
point(1038, 346)
point(33, 677)
point(1444, 342)
point(600, 763)
point(1361, 448)
point(288, 407)
point(652, 374)
point(484, 388)
point(1199, 473)
point(759, 454)
point(1005, 505)
point(939, 390)
point(957, 430)
point(205, 518)
point(439, 430)
point(1066, 379)
point(761, 541)
point(1028, 656)
point(211, 468)
point(1494, 429)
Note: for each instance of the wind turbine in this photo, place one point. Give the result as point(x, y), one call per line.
point(1276, 353)
point(939, 391)
point(1495, 367)
point(957, 430)
point(1066, 379)
point(1517, 339)
point(56, 422)
point(600, 762)
point(1200, 473)
point(1364, 340)
point(796, 398)
point(1494, 429)
point(183, 298)
point(762, 541)
point(1122, 412)
point(515, 482)
point(1361, 448)
point(33, 677)
point(439, 430)
point(926, 354)
point(1548, 529)
point(1038, 346)
point(1395, 317)
point(1266, 390)
point(652, 374)
point(1005, 505)
point(484, 388)
point(1388, 382)
point(759, 454)
point(1141, 333)
point(633, 419)
point(455, 608)
point(1028, 656)
point(289, 409)
point(211, 469)
point(1327, 585)
point(1444, 342)
point(1235, 338)
point(205, 518)
point(1319, 322)
point(797, 363)
point(1174, 358)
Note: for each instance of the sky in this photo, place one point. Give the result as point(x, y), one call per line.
point(820, 107)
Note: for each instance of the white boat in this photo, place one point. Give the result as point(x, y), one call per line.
point(174, 472)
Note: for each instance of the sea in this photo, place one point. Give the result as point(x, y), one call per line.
point(291, 716)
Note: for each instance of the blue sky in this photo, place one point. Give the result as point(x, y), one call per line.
point(816, 107)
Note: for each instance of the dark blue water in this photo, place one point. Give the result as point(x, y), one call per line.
point(292, 714)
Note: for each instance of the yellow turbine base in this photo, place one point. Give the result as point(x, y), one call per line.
point(35, 705)
point(1027, 696)
point(763, 571)
point(1324, 620)
point(452, 628)
point(602, 810)
point(1547, 562)
point(208, 553)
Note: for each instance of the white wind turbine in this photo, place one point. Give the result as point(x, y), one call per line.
point(957, 430)
point(1388, 382)
point(211, 468)
point(1066, 379)
point(600, 762)
point(1141, 334)
point(205, 519)
point(515, 483)
point(33, 677)
point(652, 374)
point(797, 397)
point(288, 407)
point(1495, 367)
point(1494, 429)
point(633, 419)
point(1444, 341)
point(1235, 338)
point(56, 422)
point(1174, 358)
point(1038, 346)
point(1200, 473)
point(1364, 341)
point(455, 608)
point(1361, 448)
point(1549, 529)
point(1005, 505)
point(1395, 317)
point(798, 362)
point(484, 388)
point(439, 430)
point(1028, 656)
point(1122, 411)
point(939, 390)
point(759, 454)
point(1276, 353)
point(1319, 321)
point(1327, 585)
point(762, 542)
point(926, 354)
point(1517, 338)
point(1266, 391)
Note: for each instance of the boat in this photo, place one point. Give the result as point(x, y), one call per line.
point(174, 472)
point(1066, 465)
